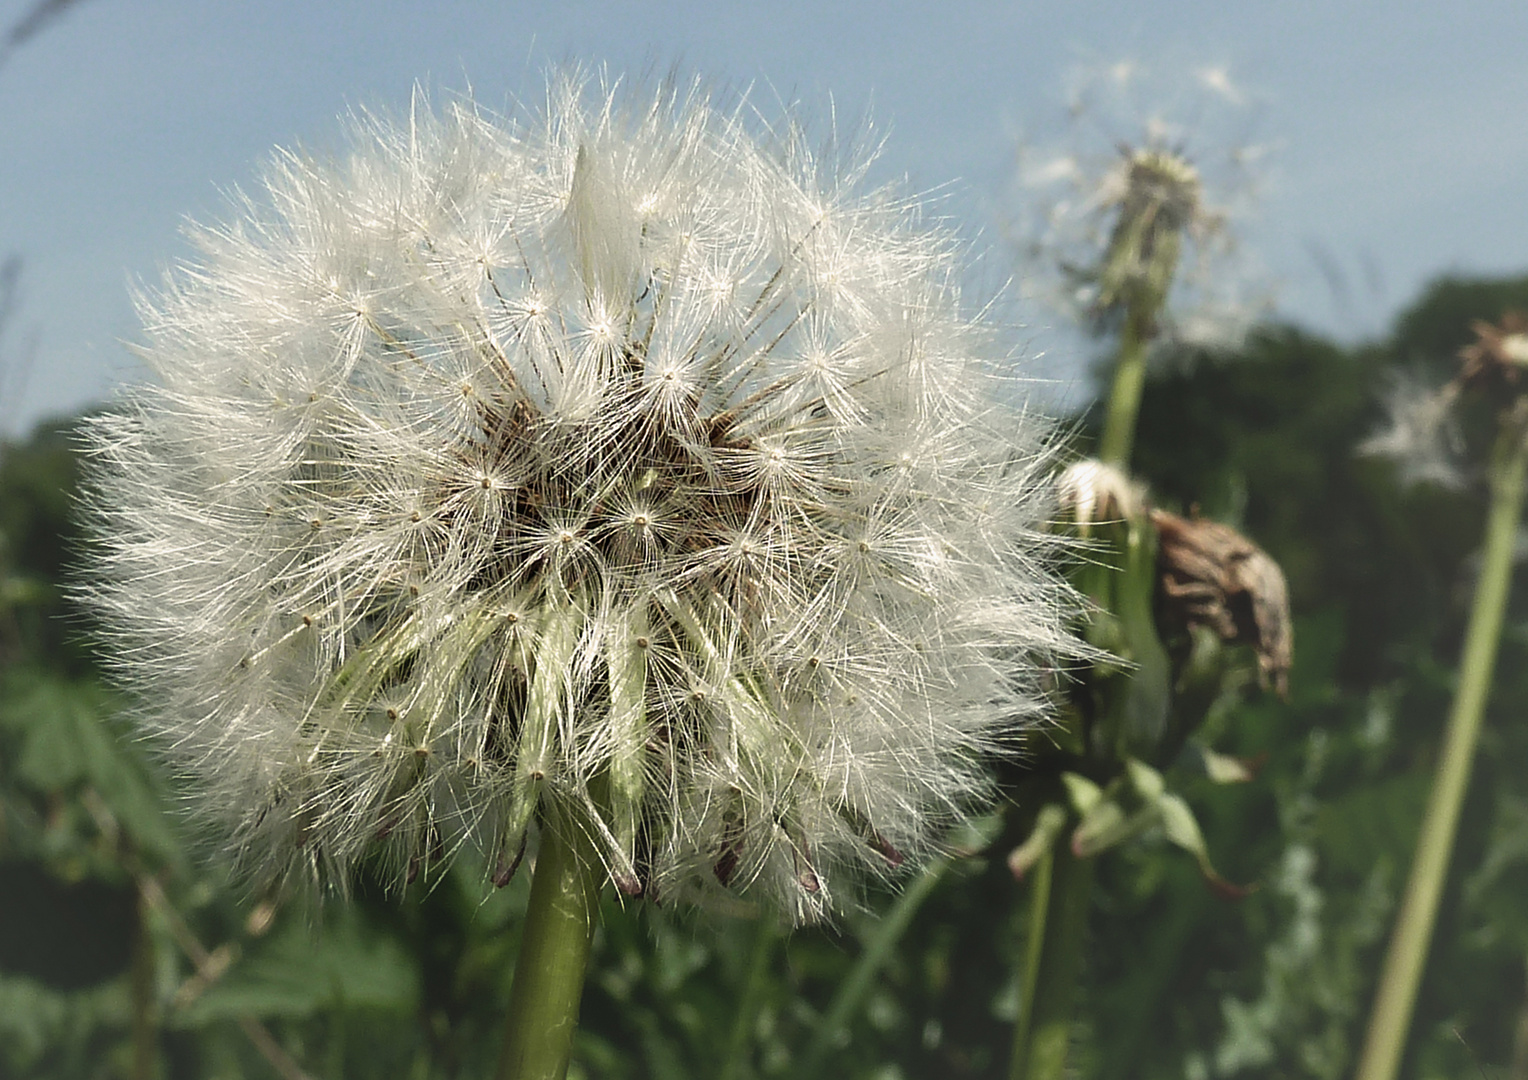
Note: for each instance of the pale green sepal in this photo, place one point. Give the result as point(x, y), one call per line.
point(1223, 768)
point(1083, 793)
point(554, 649)
point(1048, 825)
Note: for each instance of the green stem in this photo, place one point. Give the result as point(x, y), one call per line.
point(554, 950)
point(1519, 1069)
point(851, 993)
point(1407, 953)
point(738, 1041)
point(1125, 393)
point(1150, 982)
point(1039, 913)
point(1053, 964)
point(145, 1031)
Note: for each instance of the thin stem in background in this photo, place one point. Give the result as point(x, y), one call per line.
point(850, 997)
point(1407, 953)
point(554, 951)
point(1039, 911)
point(145, 1027)
point(1118, 439)
point(209, 965)
point(1055, 959)
point(1062, 895)
point(739, 1041)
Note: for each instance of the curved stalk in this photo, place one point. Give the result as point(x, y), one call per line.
point(1039, 913)
point(1407, 953)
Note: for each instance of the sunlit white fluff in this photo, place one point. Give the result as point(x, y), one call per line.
point(625, 468)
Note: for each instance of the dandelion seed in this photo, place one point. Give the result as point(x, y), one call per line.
point(650, 484)
point(1420, 435)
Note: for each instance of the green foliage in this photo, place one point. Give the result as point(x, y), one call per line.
point(38, 540)
point(302, 971)
point(1181, 981)
point(1272, 434)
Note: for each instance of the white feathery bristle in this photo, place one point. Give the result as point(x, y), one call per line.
point(1421, 434)
point(616, 469)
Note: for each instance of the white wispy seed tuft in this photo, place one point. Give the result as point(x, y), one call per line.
point(1422, 436)
point(627, 469)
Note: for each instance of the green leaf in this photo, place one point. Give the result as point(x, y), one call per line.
point(50, 1033)
point(1182, 828)
point(67, 742)
point(1223, 768)
point(299, 972)
point(1146, 780)
point(1107, 824)
point(60, 738)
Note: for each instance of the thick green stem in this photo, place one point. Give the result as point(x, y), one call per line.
point(1058, 931)
point(1419, 906)
point(554, 950)
point(1125, 393)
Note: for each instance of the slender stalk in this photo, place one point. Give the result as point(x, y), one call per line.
point(1519, 1070)
point(1407, 953)
point(554, 950)
point(1063, 893)
point(851, 993)
point(738, 1041)
point(1053, 962)
point(209, 965)
point(145, 1030)
point(208, 969)
point(1125, 394)
point(1063, 884)
point(1034, 949)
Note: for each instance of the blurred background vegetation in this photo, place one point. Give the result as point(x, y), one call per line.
point(125, 953)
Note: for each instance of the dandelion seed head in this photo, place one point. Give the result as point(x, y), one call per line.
point(1142, 194)
point(624, 468)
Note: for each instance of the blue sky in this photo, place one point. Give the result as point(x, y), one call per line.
point(1399, 130)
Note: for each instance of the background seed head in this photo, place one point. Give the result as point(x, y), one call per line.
point(1138, 198)
point(625, 468)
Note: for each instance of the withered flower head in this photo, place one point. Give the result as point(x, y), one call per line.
point(1210, 575)
point(1498, 355)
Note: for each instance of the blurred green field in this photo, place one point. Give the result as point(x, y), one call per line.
point(125, 952)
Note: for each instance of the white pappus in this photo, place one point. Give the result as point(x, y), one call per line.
point(625, 468)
